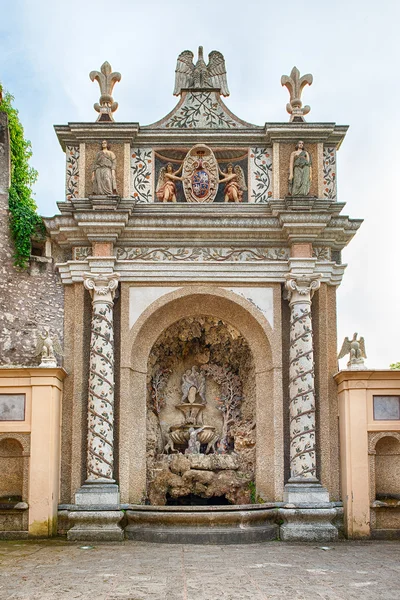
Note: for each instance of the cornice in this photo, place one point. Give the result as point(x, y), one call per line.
point(150, 135)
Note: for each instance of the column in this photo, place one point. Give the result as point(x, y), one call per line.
point(308, 514)
point(303, 462)
point(97, 514)
point(100, 440)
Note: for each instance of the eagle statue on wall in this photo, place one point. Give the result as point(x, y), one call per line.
point(355, 348)
point(200, 75)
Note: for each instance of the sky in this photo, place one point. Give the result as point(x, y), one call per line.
point(351, 47)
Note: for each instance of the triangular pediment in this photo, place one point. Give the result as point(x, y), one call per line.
point(201, 109)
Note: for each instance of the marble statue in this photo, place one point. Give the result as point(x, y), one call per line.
point(300, 171)
point(193, 444)
point(103, 172)
point(295, 84)
point(47, 347)
point(169, 444)
point(193, 383)
point(235, 183)
point(166, 188)
point(356, 349)
point(106, 79)
point(200, 75)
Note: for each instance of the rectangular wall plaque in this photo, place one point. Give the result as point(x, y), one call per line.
point(12, 407)
point(386, 408)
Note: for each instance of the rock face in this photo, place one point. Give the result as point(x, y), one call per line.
point(207, 476)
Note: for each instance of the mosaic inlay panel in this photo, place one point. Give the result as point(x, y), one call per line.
point(142, 174)
point(72, 172)
point(329, 172)
point(260, 174)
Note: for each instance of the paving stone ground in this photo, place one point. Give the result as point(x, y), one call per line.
point(58, 570)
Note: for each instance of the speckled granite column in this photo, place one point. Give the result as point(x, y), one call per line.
point(301, 379)
point(100, 448)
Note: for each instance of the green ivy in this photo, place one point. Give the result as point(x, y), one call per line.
point(25, 223)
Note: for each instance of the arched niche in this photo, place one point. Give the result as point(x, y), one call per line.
point(384, 451)
point(201, 377)
point(264, 343)
point(14, 468)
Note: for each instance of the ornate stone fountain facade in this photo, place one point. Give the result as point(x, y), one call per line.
point(200, 257)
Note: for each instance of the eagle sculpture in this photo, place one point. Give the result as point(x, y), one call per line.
point(356, 349)
point(200, 75)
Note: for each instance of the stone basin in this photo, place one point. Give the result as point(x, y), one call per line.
point(236, 524)
point(180, 433)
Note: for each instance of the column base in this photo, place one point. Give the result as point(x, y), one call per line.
point(98, 493)
point(300, 493)
point(308, 525)
point(95, 526)
point(308, 514)
point(96, 515)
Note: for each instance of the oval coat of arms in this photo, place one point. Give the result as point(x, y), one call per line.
point(200, 174)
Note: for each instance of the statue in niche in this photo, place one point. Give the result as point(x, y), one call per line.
point(193, 384)
point(193, 444)
point(235, 183)
point(166, 188)
point(300, 171)
point(103, 172)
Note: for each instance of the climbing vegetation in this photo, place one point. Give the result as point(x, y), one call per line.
point(25, 222)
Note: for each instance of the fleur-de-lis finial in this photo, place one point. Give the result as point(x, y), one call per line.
point(295, 84)
point(106, 79)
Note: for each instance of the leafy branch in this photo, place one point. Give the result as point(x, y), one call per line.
point(25, 222)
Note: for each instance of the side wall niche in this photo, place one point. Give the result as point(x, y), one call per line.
point(201, 421)
point(14, 475)
point(387, 469)
point(384, 455)
point(12, 470)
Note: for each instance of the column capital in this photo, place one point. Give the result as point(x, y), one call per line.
point(102, 286)
point(301, 288)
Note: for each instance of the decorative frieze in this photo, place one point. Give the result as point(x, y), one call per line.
point(329, 172)
point(72, 172)
point(142, 174)
point(322, 253)
point(260, 174)
point(183, 254)
point(81, 252)
point(300, 290)
point(100, 441)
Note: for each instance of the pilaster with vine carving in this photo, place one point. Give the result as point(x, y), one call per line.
point(100, 441)
point(301, 378)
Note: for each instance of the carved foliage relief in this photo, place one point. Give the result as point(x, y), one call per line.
point(72, 172)
point(261, 174)
point(142, 174)
point(329, 172)
point(184, 254)
point(202, 110)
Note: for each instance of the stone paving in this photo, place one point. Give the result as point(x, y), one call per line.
point(54, 570)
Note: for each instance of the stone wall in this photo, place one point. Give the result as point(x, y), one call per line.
point(31, 299)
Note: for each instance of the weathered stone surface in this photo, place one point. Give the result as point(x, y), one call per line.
point(308, 525)
point(29, 300)
point(96, 525)
point(213, 462)
point(57, 570)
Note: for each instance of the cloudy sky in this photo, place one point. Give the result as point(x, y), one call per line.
point(351, 47)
